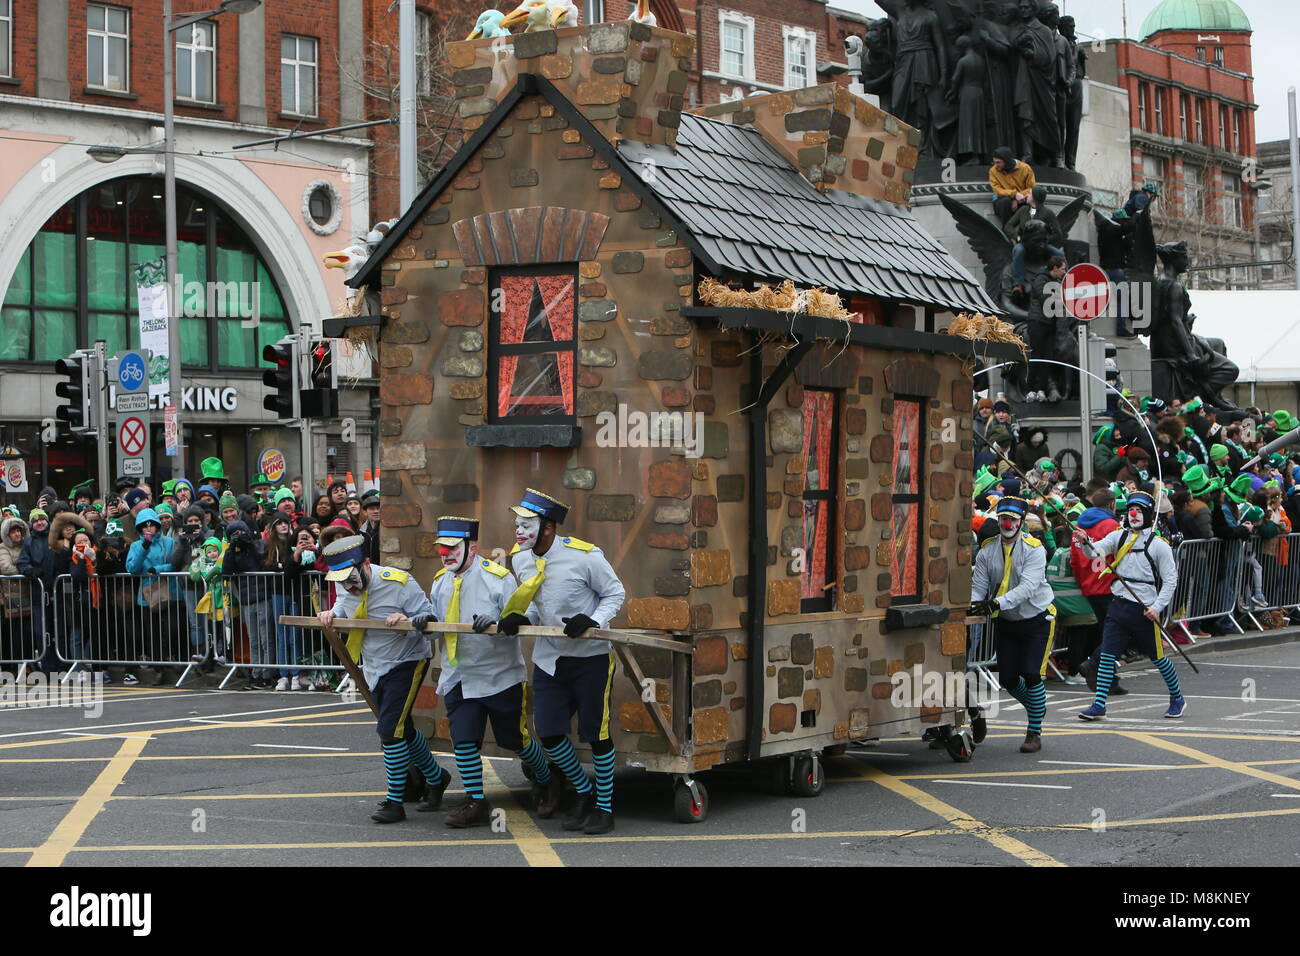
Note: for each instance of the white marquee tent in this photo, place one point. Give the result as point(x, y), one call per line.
point(1260, 329)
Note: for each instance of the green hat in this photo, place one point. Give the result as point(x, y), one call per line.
point(1045, 465)
point(228, 501)
point(1252, 513)
point(1196, 480)
point(1218, 452)
point(1273, 485)
point(212, 541)
point(1285, 421)
point(1239, 488)
point(284, 494)
point(984, 480)
point(113, 529)
point(169, 487)
point(36, 513)
point(1276, 460)
point(1194, 405)
point(86, 488)
point(1121, 493)
point(1152, 188)
point(164, 509)
point(213, 468)
point(1104, 433)
point(259, 479)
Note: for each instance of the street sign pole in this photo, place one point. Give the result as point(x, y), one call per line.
point(99, 376)
point(130, 368)
point(1085, 405)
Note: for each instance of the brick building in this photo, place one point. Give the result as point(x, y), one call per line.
point(255, 222)
point(1192, 115)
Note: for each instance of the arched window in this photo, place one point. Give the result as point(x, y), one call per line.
point(75, 283)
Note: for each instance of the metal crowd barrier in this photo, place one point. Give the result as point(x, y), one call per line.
point(1277, 575)
point(1210, 572)
point(23, 615)
point(263, 646)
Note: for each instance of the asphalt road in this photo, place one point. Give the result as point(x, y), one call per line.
point(168, 777)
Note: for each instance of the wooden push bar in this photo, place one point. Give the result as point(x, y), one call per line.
point(619, 636)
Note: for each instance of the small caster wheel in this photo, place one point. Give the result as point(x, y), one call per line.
point(960, 747)
point(686, 807)
point(808, 779)
point(835, 750)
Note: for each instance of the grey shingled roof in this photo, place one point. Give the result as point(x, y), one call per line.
point(756, 213)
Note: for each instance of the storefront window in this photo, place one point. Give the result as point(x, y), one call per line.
point(52, 307)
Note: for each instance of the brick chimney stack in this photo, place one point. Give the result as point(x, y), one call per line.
point(628, 79)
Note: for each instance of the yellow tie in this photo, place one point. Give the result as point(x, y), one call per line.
point(1123, 551)
point(358, 637)
point(525, 593)
point(453, 617)
point(1006, 573)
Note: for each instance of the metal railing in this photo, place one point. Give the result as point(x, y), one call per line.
point(23, 612)
point(1210, 571)
point(1271, 568)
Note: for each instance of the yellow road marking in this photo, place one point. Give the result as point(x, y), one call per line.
point(70, 829)
point(1213, 761)
point(962, 821)
point(533, 843)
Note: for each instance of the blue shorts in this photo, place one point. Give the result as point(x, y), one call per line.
point(1024, 647)
point(506, 709)
point(394, 696)
point(1126, 626)
point(581, 685)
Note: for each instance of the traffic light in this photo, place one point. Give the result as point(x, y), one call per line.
point(78, 412)
point(321, 398)
point(283, 378)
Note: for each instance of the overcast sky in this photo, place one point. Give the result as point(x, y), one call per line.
point(1273, 45)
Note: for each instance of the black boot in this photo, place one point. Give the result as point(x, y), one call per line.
point(600, 821)
point(433, 794)
point(390, 811)
point(475, 813)
point(582, 809)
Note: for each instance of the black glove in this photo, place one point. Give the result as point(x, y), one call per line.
point(482, 622)
point(982, 608)
point(511, 623)
point(421, 620)
point(573, 626)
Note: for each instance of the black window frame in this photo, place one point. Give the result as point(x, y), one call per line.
point(830, 493)
point(496, 349)
point(917, 498)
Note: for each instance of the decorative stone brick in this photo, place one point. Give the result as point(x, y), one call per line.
point(598, 355)
point(658, 365)
point(724, 354)
point(669, 325)
point(855, 420)
point(852, 604)
point(782, 718)
point(801, 649)
point(710, 568)
point(672, 585)
point(611, 507)
point(856, 467)
point(731, 487)
point(710, 655)
point(785, 431)
point(462, 366)
point(669, 479)
point(716, 440)
point(855, 514)
point(404, 388)
point(591, 403)
point(662, 614)
point(401, 455)
point(530, 45)
point(398, 514)
point(789, 681)
point(668, 541)
point(856, 679)
point(395, 356)
point(589, 379)
point(882, 448)
point(952, 638)
point(405, 333)
point(389, 428)
point(703, 377)
point(583, 479)
point(943, 485)
point(672, 514)
point(557, 66)
point(702, 620)
point(704, 511)
point(824, 661)
point(625, 263)
point(522, 177)
point(675, 396)
point(459, 307)
point(937, 571)
point(574, 151)
point(783, 597)
point(856, 558)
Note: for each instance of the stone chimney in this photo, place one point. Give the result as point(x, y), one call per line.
point(628, 79)
point(838, 140)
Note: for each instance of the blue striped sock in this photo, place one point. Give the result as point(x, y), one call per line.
point(397, 762)
point(1105, 676)
point(1036, 706)
point(1166, 668)
point(564, 757)
point(469, 764)
point(422, 757)
point(604, 781)
point(535, 760)
point(1018, 691)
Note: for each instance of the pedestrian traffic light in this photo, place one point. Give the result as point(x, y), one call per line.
point(321, 398)
point(77, 390)
point(283, 378)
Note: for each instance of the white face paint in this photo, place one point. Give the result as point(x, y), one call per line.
point(457, 557)
point(1136, 518)
point(353, 583)
point(1009, 525)
point(526, 531)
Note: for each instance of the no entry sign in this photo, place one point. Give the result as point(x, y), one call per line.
point(1085, 291)
point(132, 436)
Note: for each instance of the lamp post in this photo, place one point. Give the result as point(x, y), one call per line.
point(109, 154)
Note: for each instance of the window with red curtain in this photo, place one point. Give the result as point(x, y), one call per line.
point(820, 456)
point(533, 345)
point(905, 521)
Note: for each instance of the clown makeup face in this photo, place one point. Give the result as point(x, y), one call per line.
point(1136, 518)
point(355, 582)
point(526, 531)
point(456, 557)
point(1009, 525)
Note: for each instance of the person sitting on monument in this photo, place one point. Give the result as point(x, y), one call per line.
point(1037, 209)
point(1011, 180)
point(1139, 199)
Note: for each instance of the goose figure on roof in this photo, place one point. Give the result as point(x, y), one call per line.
point(488, 24)
point(641, 13)
point(542, 15)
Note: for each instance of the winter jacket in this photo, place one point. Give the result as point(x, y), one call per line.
point(1226, 524)
point(207, 576)
point(153, 558)
point(1027, 454)
point(9, 555)
point(1197, 521)
point(86, 585)
point(1096, 523)
point(239, 562)
point(1105, 463)
point(37, 560)
point(61, 550)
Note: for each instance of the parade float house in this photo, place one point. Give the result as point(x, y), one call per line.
point(815, 539)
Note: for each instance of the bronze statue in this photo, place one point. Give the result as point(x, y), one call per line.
point(1039, 140)
point(878, 61)
point(1074, 94)
point(967, 91)
point(1183, 364)
point(1050, 17)
point(921, 69)
point(995, 38)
